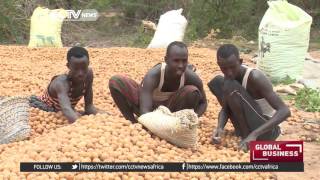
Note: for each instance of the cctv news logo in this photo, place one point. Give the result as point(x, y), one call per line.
point(82, 15)
point(276, 151)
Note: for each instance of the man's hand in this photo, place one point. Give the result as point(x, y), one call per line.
point(78, 115)
point(216, 137)
point(244, 144)
point(222, 120)
point(90, 109)
point(100, 111)
point(150, 83)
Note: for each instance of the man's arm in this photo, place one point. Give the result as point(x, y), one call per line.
point(222, 121)
point(266, 90)
point(194, 79)
point(150, 82)
point(88, 97)
point(222, 118)
point(61, 89)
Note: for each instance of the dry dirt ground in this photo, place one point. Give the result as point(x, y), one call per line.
point(27, 71)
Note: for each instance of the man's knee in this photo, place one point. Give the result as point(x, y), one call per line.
point(193, 96)
point(190, 89)
point(231, 86)
point(190, 98)
point(231, 92)
point(192, 93)
point(216, 84)
point(233, 99)
point(114, 82)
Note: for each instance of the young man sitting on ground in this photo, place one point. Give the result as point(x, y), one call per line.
point(247, 99)
point(173, 84)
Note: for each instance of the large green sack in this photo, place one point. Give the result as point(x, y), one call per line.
point(45, 29)
point(284, 33)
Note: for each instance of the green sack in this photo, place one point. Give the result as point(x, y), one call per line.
point(45, 29)
point(284, 34)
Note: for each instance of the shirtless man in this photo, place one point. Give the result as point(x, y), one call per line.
point(64, 91)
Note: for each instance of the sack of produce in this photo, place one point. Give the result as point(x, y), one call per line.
point(284, 34)
point(14, 119)
point(45, 29)
point(171, 27)
point(178, 128)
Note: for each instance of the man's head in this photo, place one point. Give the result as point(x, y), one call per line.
point(229, 61)
point(177, 57)
point(78, 63)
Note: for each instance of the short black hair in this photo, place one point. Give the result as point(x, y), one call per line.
point(227, 50)
point(176, 43)
point(78, 52)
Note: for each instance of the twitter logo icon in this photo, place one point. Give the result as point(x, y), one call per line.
point(74, 166)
